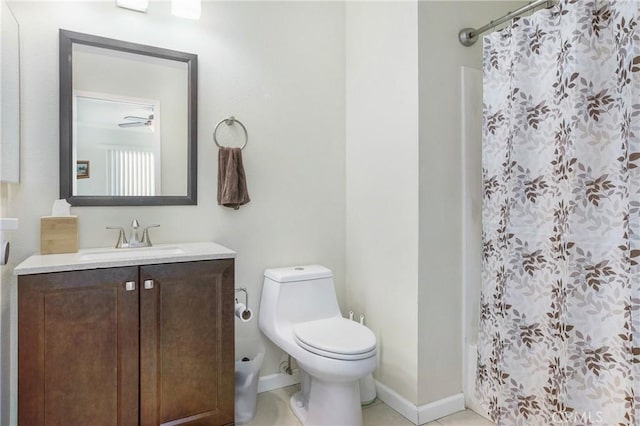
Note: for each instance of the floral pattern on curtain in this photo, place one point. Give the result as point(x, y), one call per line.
point(559, 339)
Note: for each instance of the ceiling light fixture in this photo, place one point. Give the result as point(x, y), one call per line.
point(137, 5)
point(190, 9)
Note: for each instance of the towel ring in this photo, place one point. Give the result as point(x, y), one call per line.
point(229, 122)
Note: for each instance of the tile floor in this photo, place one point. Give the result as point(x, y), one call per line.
point(273, 410)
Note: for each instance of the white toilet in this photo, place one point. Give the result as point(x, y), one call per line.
point(299, 313)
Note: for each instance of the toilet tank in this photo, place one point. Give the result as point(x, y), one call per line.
point(298, 293)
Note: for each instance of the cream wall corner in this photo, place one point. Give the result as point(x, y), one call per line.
point(440, 352)
point(382, 182)
point(404, 189)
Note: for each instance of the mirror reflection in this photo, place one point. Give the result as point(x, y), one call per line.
point(130, 138)
point(117, 146)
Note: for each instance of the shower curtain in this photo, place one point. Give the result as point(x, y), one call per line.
point(559, 339)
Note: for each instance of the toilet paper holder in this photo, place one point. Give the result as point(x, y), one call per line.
point(242, 310)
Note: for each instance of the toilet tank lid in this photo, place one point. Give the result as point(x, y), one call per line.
point(298, 273)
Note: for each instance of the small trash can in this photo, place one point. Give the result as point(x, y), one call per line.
point(249, 356)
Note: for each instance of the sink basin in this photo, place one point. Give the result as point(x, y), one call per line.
point(130, 253)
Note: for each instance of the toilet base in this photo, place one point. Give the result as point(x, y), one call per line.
point(328, 403)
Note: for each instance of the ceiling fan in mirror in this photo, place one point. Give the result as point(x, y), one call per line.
point(137, 121)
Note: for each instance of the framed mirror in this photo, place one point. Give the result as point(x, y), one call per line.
point(128, 123)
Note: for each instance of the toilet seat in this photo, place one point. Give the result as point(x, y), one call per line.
point(336, 338)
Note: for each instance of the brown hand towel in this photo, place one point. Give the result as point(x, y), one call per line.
point(232, 183)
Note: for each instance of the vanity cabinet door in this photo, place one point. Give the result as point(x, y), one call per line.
point(187, 343)
point(78, 348)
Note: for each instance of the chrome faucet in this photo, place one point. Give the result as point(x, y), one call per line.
point(122, 239)
point(146, 241)
point(133, 235)
point(134, 240)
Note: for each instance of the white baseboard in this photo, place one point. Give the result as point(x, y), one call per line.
point(440, 408)
point(277, 380)
point(424, 413)
point(417, 415)
point(397, 402)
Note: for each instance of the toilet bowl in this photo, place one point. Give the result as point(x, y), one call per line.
point(299, 313)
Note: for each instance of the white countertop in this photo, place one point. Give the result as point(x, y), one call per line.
point(112, 258)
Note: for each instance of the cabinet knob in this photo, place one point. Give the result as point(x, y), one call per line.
point(130, 285)
point(148, 284)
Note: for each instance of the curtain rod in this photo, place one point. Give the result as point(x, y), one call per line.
point(468, 36)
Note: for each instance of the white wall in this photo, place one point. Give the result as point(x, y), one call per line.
point(278, 67)
point(440, 288)
point(9, 96)
point(382, 182)
point(9, 172)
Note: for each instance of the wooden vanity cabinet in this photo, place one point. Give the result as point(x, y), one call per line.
point(135, 345)
point(187, 343)
point(78, 348)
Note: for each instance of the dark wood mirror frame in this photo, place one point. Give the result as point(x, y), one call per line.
point(67, 39)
